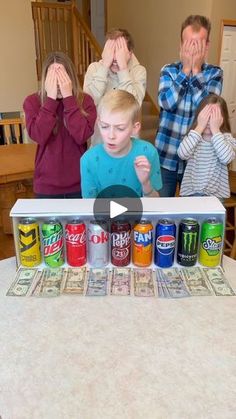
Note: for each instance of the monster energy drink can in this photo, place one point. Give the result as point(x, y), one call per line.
point(188, 242)
point(52, 232)
point(211, 242)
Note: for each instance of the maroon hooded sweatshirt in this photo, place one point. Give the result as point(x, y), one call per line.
point(61, 131)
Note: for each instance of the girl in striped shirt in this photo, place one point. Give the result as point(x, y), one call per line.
point(208, 148)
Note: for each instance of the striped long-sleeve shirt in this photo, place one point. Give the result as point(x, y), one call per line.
point(179, 95)
point(207, 158)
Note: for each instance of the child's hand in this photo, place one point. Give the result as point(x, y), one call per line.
point(51, 83)
point(186, 55)
point(203, 119)
point(216, 119)
point(122, 53)
point(64, 82)
point(142, 169)
point(108, 53)
point(199, 54)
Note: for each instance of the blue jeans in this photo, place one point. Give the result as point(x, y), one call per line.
point(170, 180)
point(72, 195)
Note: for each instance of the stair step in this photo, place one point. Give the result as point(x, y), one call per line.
point(148, 134)
point(149, 121)
point(146, 107)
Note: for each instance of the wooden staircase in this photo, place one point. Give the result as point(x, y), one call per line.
point(150, 119)
point(60, 27)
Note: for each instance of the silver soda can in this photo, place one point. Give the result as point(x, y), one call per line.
point(98, 244)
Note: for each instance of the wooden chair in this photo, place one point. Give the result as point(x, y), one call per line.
point(13, 130)
point(230, 243)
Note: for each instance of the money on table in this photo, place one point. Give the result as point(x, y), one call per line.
point(121, 281)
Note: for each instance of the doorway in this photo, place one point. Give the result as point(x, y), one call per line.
point(228, 64)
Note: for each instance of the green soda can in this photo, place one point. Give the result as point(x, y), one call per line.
point(211, 242)
point(53, 248)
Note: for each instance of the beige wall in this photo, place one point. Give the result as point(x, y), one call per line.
point(155, 26)
point(222, 10)
point(18, 70)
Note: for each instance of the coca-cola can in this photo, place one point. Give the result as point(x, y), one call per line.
point(98, 244)
point(75, 232)
point(120, 243)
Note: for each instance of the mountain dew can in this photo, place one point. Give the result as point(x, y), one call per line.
point(211, 242)
point(188, 242)
point(52, 232)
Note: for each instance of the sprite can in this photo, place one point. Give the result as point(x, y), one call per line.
point(187, 242)
point(52, 232)
point(29, 242)
point(211, 242)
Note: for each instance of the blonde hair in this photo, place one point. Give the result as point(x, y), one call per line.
point(61, 58)
point(120, 101)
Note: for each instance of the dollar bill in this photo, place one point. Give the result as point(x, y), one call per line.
point(97, 282)
point(218, 282)
point(172, 283)
point(196, 281)
point(50, 282)
point(121, 281)
point(22, 282)
point(74, 282)
point(143, 283)
point(35, 289)
point(161, 285)
point(160, 291)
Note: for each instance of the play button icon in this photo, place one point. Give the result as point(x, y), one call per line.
point(116, 209)
point(118, 202)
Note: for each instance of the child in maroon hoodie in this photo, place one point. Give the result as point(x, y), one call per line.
point(60, 119)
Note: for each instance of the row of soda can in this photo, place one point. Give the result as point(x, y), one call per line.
point(120, 243)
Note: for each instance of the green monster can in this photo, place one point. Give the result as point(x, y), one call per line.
point(188, 242)
point(211, 242)
point(52, 232)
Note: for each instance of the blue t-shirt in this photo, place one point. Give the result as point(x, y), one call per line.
point(100, 170)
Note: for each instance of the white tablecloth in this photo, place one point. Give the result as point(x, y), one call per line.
point(117, 357)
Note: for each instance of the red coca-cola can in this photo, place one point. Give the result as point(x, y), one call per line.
point(120, 243)
point(75, 232)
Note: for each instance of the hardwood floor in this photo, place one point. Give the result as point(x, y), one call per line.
point(7, 248)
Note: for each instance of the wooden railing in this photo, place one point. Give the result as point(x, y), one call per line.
point(85, 47)
point(60, 27)
point(13, 130)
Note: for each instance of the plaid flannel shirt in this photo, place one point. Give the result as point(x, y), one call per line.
point(179, 95)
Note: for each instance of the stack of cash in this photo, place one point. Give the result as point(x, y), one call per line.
point(163, 283)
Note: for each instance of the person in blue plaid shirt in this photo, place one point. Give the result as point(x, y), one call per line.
point(183, 85)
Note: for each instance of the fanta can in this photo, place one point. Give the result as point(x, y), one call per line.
point(142, 243)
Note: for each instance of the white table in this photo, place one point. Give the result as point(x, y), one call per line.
point(117, 357)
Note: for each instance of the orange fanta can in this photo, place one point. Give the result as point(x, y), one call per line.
point(142, 243)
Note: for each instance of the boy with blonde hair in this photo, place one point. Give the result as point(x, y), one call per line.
point(120, 160)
